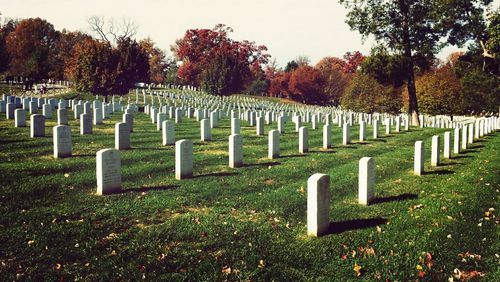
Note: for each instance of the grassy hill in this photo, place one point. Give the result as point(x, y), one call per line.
point(247, 223)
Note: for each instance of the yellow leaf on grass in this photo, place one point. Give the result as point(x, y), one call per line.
point(357, 268)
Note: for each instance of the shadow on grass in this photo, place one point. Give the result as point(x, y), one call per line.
point(348, 147)
point(261, 164)
point(82, 156)
point(293, 156)
point(339, 227)
point(329, 151)
point(362, 143)
point(402, 197)
point(475, 146)
point(147, 189)
point(439, 172)
point(461, 157)
point(379, 140)
point(165, 148)
point(215, 174)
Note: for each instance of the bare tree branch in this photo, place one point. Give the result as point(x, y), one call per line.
point(96, 24)
point(111, 31)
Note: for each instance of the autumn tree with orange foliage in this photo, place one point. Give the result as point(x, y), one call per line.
point(200, 50)
point(439, 92)
point(157, 63)
point(306, 85)
point(335, 78)
point(30, 46)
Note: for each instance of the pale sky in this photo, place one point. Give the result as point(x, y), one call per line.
point(289, 28)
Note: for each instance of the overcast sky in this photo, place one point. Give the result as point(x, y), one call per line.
point(289, 28)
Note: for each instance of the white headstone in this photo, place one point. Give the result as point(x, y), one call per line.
point(122, 136)
point(98, 115)
point(435, 150)
point(78, 111)
point(366, 180)
point(206, 134)
point(274, 144)
point(62, 116)
point(362, 131)
point(160, 118)
point(85, 124)
point(47, 111)
point(303, 140)
point(183, 159)
point(129, 120)
point(10, 110)
point(464, 137)
point(108, 171)
point(168, 132)
point(327, 136)
point(235, 126)
point(456, 141)
point(418, 165)
point(37, 125)
point(20, 118)
point(281, 124)
point(447, 145)
point(260, 126)
point(318, 204)
point(214, 119)
point(235, 150)
point(62, 141)
point(346, 135)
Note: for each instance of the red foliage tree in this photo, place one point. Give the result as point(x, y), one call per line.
point(29, 47)
point(278, 86)
point(335, 79)
point(353, 60)
point(306, 85)
point(199, 48)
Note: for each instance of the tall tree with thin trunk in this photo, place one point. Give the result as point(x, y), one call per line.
point(417, 28)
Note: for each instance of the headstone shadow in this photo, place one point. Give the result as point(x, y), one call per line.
point(355, 224)
point(402, 197)
point(348, 147)
point(215, 174)
point(293, 156)
point(261, 164)
point(461, 157)
point(439, 172)
point(147, 189)
point(378, 140)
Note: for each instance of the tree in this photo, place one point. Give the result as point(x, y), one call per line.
point(278, 85)
point(220, 77)
point(62, 52)
point(415, 28)
point(157, 63)
point(335, 79)
point(439, 92)
point(306, 85)
point(291, 66)
point(353, 60)
point(5, 28)
point(132, 65)
point(386, 68)
point(201, 49)
point(365, 94)
point(111, 31)
point(92, 67)
point(29, 47)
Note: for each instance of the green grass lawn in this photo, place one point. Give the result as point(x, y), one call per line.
point(247, 223)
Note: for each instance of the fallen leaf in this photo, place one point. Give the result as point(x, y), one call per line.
point(262, 263)
point(357, 268)
point(226, 270)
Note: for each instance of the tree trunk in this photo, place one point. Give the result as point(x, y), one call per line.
point(410, 74)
